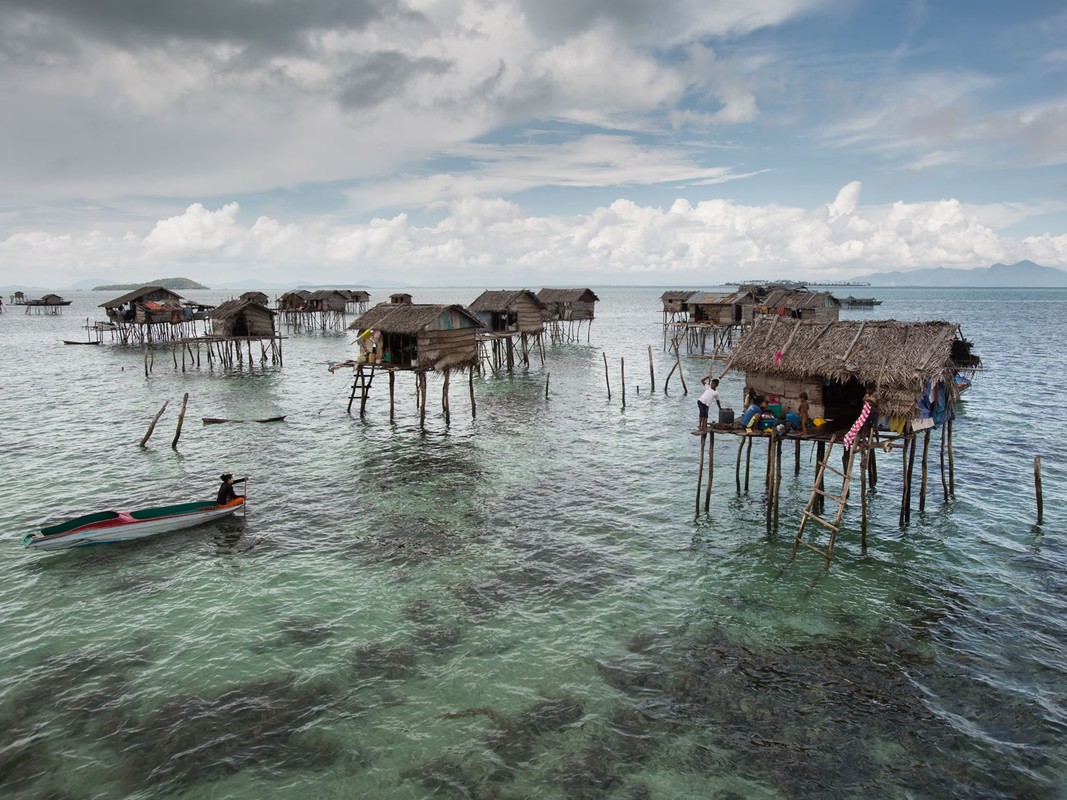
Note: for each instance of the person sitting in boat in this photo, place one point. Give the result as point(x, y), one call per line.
point(226, 492)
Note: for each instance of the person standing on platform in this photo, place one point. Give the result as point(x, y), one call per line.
point(711, 395)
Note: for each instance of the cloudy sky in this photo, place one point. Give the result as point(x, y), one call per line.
point(528, 142)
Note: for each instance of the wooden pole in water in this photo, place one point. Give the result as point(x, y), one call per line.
point(906, 490)
point(152, 427)
point(607, 380)
point(470, 382)
point(951, 465)
point(922, 484)
point(181, 419)
point(820, 456)
point(911, 476)
point(748, 461)
point(548, 377)
point(392, 395)
point(651, 371)
point(777, 478)
point(700, 473)
point(944, 483)
point(711, 468)
point(622, 373)
point(422, 403)
point(444, 396)
point(737, 469)
point(796, 458)
point(681, 372)
point(1037, 489)
point(864, 458)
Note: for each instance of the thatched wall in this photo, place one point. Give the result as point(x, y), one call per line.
point(509, 310)
point(440, 337)
point(676, 301)
point(893, 359)
point(242, 318)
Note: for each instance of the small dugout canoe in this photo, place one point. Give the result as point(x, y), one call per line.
point(109, 527)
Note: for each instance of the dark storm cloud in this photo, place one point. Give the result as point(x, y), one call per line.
point(376, 76)
point(254, 24)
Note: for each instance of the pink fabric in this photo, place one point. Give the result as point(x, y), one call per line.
point(853, 432)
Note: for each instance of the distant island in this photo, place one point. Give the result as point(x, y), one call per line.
point(1023, 274)
point(174, 284)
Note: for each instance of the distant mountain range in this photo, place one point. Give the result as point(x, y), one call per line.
point(1024, 274)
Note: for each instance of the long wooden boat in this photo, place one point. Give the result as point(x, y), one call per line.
point(107, 527)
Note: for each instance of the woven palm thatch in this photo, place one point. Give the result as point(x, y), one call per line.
point(242, 318)
point(894, 360)
point(549, 296)
point(444, 334)
point(504, 300)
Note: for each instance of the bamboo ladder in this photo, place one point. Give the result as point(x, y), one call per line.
point(361, 383)
point(818, 491)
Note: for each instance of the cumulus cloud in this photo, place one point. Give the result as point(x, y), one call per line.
point(494, 242)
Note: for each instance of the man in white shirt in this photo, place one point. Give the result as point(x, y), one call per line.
point(711, 395)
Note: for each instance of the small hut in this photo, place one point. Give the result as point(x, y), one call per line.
point(801, 304)
point(422, 338)
point(50, 303)
point(400, 297)
point(356, 300)
point(148, 314)
point(566, 310)
point(241, 322)
point(294, 300)
point(507, 315)
point(879, 386)
point(676, 302)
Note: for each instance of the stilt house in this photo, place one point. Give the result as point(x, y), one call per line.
point(906, 366)
point(733, 308)
point(501, 311)
point(400, 297)
point(801, 304)
point(676, 302)
point(145, 306)
point(244, 318)
point(568, 305)
point(421, 336)
point(295, 300)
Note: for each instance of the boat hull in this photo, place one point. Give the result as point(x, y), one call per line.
point(110, 527)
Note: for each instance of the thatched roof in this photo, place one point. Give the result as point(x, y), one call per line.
point(409, 318)
point(232, 308)
point(721, 298)
point(798, 299)
point(301, 293)
point(503, 300)
point(567, 296)
point(326, 294)
point(137, 294)
point(893, 359)
point(678, 294)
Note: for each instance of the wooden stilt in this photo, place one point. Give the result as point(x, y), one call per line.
point(748, 461)
point(651, 371)
point(777, 478)
point(422, 403)
point(548, 377)
point(622, 375)
point(711, 468)
point(944, 482)
point(872, 468)
point(820, 456)
point(906, 491)
point(181, 419)
point(737, 469)
point(912, 443)
point(444, 396)
point(607, 380)
point(922, 485)
point(700, 472)
point(1037, 490)
point(863, 492)
point(152, 426)
point(796, 458)
point(392, 395)
point(470, 385)
point(951, 463)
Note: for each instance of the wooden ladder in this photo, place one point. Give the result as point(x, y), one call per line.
point(818, 491)
point(361, 382)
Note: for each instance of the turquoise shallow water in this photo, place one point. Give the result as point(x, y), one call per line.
point(521, 604)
